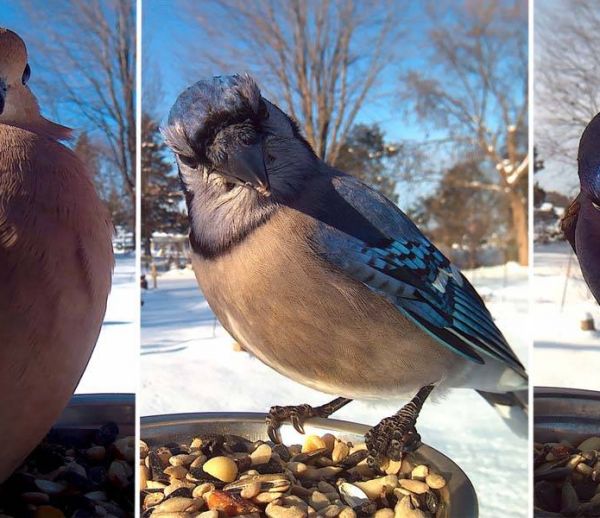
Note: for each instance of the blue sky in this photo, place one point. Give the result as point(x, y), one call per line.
point(166, 35)
point(557, 175)
point(15, 17)
point(166, 32)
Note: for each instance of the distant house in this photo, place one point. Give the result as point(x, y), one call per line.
point(546, 226)
point(123, 240)
point(170, 251)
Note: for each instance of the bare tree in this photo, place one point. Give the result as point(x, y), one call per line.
point(475, 89)
point(567, 65)
point(457, 215)
point(162, 199)
point(320, 59)
point(90, 57)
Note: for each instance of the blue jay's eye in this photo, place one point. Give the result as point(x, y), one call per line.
point(26, 74)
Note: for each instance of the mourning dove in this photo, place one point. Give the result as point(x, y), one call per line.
point(56, 263)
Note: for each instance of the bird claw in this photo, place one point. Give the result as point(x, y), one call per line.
point(296, 415)
point(273, 430)
point(297, 423)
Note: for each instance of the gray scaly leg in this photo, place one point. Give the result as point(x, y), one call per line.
point(396, 435)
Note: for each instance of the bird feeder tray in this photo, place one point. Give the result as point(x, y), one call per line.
point(90, 411)
point(460, 500)
point(572, 415)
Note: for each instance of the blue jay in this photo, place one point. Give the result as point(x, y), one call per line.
point(319, 276)
point(581, 224)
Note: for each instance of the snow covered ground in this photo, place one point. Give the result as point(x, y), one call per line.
point(188, 365)
point(110, 368)
point(564, 355)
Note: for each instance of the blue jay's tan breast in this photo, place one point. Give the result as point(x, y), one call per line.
point(313, 323)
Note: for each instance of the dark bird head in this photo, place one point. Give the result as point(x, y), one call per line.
point(587, 232)
point(589, 161)
point(239, 157)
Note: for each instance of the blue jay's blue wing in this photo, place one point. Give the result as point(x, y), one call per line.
point(383, 249)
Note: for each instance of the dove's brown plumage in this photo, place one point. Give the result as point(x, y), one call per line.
point(55, 265)
point(568, 223)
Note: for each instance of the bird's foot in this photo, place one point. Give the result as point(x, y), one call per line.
point(391, 439)
point(395, 436)
point(297, 415)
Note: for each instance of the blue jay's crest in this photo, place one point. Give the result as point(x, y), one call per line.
point(208, 105)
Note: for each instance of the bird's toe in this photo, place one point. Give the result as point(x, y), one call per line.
point(296, 415)
point(273, 430)
point(297, 422)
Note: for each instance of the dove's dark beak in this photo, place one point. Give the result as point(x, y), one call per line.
point(2, 95)
point(246, 164)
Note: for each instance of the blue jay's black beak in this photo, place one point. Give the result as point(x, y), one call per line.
point(246, 164)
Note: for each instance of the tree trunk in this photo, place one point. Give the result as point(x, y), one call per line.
point(148, 246)
point(520, 225)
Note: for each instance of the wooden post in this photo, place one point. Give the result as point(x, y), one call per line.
point(154, 274)
point(587, 324)
point(567, 276)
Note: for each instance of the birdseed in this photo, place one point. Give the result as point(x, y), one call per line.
point(74, 473)
point(228, 475)
point(567, 479)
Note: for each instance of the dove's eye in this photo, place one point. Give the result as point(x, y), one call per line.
point(596, 205)
point(26, 74)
